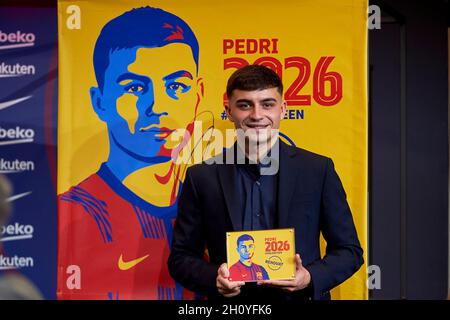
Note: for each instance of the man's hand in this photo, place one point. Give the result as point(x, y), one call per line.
point(226, 287)
point(301, 281)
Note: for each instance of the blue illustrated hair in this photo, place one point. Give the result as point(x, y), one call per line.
point(244, 237)
point(146, 27)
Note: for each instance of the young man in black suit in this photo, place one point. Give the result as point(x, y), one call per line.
point(305, 193)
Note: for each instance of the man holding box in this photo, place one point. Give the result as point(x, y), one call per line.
point(305, 194)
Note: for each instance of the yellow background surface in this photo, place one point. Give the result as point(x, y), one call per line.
point(307, 28)
point(286, 271)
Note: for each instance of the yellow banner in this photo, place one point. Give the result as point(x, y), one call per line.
point(318, 47)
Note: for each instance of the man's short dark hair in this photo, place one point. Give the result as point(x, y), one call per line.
point(254, 77)
point(244, 237)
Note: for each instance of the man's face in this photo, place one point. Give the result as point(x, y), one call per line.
point(246, 249)
point(256, 112)
point(148, 94)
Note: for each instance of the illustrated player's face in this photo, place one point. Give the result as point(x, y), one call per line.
point(148, 94)
point(246, 249)
point(258, 110)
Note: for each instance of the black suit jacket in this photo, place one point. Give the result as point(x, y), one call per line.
point(311, 199)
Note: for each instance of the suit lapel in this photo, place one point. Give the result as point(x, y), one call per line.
point(286, 182)
point(228, 181)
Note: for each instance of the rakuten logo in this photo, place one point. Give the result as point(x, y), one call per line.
point(18, 39)
point(16, 70)
point(15, 262)
point(16, 231)
point(15, 166)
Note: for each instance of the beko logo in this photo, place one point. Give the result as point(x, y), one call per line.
point(18, 39)
point(16, 231)
point(16, 135)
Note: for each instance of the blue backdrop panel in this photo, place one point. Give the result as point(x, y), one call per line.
point(28, 104)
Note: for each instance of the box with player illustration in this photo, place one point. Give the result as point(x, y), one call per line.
point(261, 255)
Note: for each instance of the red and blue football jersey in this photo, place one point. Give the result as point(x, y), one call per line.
point(113, 244)
point(241, 272)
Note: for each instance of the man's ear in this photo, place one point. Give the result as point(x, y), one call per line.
point(228, 111)
point(96, 102)
point(283, 109)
